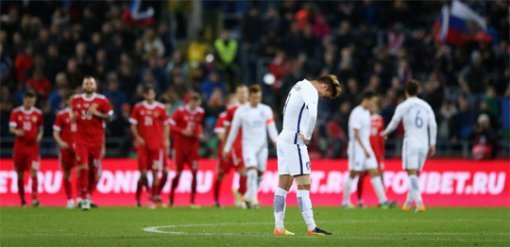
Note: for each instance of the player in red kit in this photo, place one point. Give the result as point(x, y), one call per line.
point(151, 132)
point(90, 110)
point(26, 123)
point(237, 148)
point(377, 143)
point(63, 130)
point(186, 131)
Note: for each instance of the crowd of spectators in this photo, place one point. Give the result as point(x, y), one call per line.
point(370, 45)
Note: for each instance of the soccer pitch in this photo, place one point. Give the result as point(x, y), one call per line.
point(237, 227)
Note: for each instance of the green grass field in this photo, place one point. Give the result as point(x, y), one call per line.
point(236, 227)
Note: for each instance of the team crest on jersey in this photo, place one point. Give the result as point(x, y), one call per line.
point(142, 113)
point(34, 119)
point(20, 118)
point(308, 165)
point(79, 105)
point(297, 87)
point(156, 114)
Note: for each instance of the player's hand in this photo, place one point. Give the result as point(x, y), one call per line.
point(225, 155)
point(19, 133)
point(64, 145)
point(367, 154)
point(166, 144)
point(187, 132)
point(140, 141)
point(103, 152)
point(432, 150)
point(93, 110)
point(201, 137)
point(306, 141)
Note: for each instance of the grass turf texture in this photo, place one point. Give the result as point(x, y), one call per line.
point(236, 227)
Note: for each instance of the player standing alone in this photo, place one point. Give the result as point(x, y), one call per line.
point(90, 110)
point(377, 144)
point(26, 123)
point(255, 119)
point(419, 139)
point(150, 129)
point(361, 155)
point(299, 117)
point(63, 130)
point(186, 130)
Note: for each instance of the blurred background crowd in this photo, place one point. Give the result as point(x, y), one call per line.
point(213, 46)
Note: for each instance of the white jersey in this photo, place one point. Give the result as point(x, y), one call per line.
point(300, 112)
point(359, 119)
point(419, 122)
point(254, 121)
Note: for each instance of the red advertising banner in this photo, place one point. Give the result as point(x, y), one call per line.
point(459, 183)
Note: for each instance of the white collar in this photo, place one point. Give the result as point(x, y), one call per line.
point(189, 109)
point(150, 106)
point(22, 108)
point(88, 99)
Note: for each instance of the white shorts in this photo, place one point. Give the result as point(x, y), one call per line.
point(413, 156)
point(358, 161)
point(292, 159)
point(255, 157)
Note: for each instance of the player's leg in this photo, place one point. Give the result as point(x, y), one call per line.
point(34, 167)
point(280, 196)
point(178, 157)
point(95, 168)
point(237, 159)
point(250, 162)
point(262, 157)
point(143, 163)
point(157, 158)
point(356, 157)
point(223, 169)
point(82, 169)
point(359, 190)
point(162, 166)
point(301, 172)
point(193, 161)
point(66, 163)
point(415, 165)
point(20, 166)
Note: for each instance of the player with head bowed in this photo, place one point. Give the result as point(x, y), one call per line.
point(299, 117)
point(256, 120)
point(90, 111)
point(26, 123)
point(149, 126)
point(420, 129)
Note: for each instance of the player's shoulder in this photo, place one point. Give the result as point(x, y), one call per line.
point(160, 105)
point(17, 109)
point(223, 114)
point(200, 110)
point(62, 112)
point(265, 107)
point(37, 111)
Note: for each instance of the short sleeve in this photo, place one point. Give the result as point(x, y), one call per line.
point(12, 120)
point(40, 121)
point(107, 107)
point(355, 120)
point(57, 126)
point(133, 119)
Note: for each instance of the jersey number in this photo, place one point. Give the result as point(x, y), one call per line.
point(418, 121)
point(86, 115)
point(27, 126)
point(147, 121)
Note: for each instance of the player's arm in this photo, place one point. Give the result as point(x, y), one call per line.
point(104, 112)
point(357, 136)
point(166, 133)
point(312, 118)
point(433, 132)
point(395, 120)
point(40, 127)
point(236, 124)
point(271, 127)
point(13, 127)
point(173, 122)
point(56, 134)
point(133, 120)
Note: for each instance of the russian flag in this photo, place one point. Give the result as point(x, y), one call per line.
point(134, 16)
point(460, 25)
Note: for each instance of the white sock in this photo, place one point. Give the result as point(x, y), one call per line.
point(280, 197)
point(413, 179)
point(305, 205)
point(410, 193)
point(347, 191)
point(251, 182)
point(379, 188)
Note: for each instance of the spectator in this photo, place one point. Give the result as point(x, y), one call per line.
point(226, 52)
point(59, 91)
point(22, 63)
point(116, 96)
point(446, 113)
point(484, 139)
point(463, 121)
point(152, 44)
point(472, 78)
point(213, 83)
point(39, 83)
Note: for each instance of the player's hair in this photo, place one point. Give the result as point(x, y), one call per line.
point(255, 88)
point(194, 96)
point(333, 85)
point(89, 77)
point(412, 87)
point(29, 93)
point(368, 95)
point(148, 87)
point(241, 86)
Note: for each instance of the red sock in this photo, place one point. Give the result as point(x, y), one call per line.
point(193, 186)
point(21, 189)
point(359, 190)
point(83, 182)
point(175, 182)
point(162, 182)
point(139, 190)
point(67, 188)
point(217, 186)
point(242, 185)
point(93, 179)
point(34, 186)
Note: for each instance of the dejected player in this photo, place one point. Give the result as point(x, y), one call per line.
point(186, 131)
point(90, 110)
point(299, 117)
point(64, 130)
point(26, 123)
point(256, 120)
point(377, 144)
point(420, 129)
point(149, 125)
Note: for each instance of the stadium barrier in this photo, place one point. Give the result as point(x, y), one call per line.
point(456, 183)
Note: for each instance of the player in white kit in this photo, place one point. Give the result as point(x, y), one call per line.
point(299, 116)
point(256, 119)
point(360, 153)
point(420, 129)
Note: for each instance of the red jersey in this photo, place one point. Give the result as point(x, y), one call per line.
point(90, 129)
point(65, 126)
point(182, 119)
point(220, 128)
point(376, 138)
point(30, 122)
point(150, 121)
